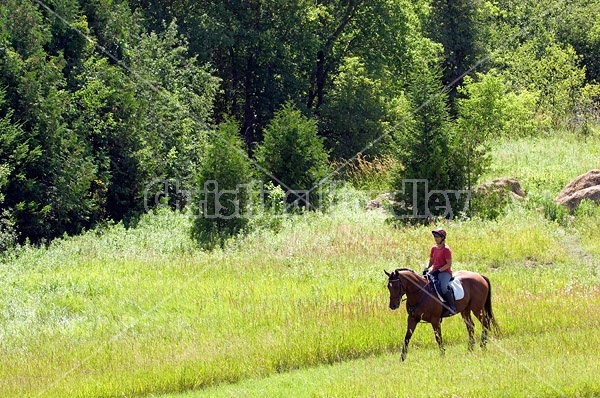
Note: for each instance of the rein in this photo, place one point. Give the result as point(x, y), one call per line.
point(411, 309)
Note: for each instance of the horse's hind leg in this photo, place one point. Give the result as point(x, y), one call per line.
point(485, 323)
point(466, 316)
point(437, 329)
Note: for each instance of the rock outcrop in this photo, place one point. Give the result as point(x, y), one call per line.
point(509, 185)
point(585, 186)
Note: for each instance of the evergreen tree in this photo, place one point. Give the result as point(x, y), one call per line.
point(351, 118)
point(176, 97)
point(221, 198)
point(423, 151)
point(454, 24)
point(293, 155)
point(15, 153)
point(48, 191)
point(105, 114)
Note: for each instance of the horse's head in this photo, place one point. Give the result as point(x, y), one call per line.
point(396, 289)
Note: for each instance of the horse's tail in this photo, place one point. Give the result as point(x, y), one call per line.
point(488, 308)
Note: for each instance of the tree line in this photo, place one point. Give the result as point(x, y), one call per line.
point(100, 97)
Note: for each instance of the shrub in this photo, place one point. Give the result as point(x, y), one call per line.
point(268, 208)
point(485, 112)
point(422, 149)
point(8, 232)
point(489, 205)
point(293, 157)
point(222, 198)
point(549, 68)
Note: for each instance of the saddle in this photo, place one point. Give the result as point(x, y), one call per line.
point(454, 284)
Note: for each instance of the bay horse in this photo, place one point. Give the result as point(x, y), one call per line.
point(423, 304)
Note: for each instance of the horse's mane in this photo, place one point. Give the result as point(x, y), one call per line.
point(406, 269)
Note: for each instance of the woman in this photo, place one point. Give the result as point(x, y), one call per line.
point(440, 258)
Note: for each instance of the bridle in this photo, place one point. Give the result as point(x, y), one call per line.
point(428, 281)
point(398, 280)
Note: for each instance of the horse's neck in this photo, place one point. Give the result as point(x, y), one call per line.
point(413, 284)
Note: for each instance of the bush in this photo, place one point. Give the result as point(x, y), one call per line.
point(551, 70)
point(293, 157)
point(222, 195)
point(424, 170)
point(489, 205)
point(486, 112)
point(8, 234)
point(270, 208)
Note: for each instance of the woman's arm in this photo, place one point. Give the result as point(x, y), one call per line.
point(447, 266)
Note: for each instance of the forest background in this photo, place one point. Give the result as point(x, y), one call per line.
point(104, 105)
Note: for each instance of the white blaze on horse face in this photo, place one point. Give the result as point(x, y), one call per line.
point(395, 293)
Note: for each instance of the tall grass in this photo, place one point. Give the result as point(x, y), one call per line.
point(132, 312)
point(119, 316)
point(367, 174)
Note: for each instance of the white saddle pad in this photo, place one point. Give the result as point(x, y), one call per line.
point(457, 288)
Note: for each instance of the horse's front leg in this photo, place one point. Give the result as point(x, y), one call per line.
point(436, 323)
point(412, 324)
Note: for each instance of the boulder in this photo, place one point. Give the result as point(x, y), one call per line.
point(582, 182)
point(585, 186)
point(510, 185)
point(378, 202)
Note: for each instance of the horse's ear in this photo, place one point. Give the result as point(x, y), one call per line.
point(387, 273)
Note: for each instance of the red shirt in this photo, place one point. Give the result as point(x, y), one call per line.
point(441, 256)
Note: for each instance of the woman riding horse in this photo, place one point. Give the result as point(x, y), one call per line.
point(440, 257)
point(423, 305)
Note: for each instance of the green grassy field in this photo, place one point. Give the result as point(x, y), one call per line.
point(303, 312)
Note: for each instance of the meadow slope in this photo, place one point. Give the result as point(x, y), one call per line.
point(303, 312)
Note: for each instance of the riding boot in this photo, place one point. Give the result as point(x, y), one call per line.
point(438, 285)
point(450, 306)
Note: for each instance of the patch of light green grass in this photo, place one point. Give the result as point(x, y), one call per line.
point(131, 312)
point(543, 365)
point(544, 164)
